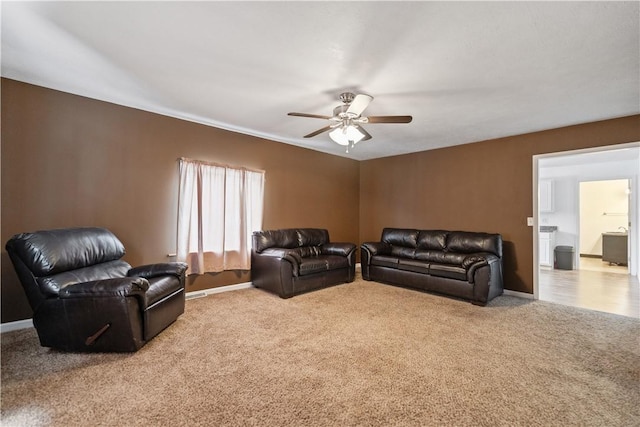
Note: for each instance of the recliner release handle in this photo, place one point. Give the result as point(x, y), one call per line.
point(90, 340)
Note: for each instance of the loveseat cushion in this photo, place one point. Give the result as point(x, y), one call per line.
point(322, 263)
point(312, 236)
point(275, 239)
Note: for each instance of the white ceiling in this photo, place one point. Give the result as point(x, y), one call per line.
point(465, 71)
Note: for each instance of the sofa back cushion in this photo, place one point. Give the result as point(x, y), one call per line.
point(470, 242)
point(405, 237)
point(432, 239)
point(289, 238)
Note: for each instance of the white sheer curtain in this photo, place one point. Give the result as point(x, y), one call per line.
point(218, 209)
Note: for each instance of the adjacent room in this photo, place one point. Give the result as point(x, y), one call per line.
point(320, 213)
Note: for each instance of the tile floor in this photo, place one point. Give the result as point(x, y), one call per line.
point(595, 286)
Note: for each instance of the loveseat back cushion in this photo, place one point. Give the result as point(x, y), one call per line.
point(470, 242)
point(432, 239)
point(400, 237)
point(51, 252)
point(312, 236)
point(308, 251)
point(51, 285)
point(284, 238)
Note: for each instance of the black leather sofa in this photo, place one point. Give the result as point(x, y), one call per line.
point(291, 261)
point(461, 264)
point(86, 298)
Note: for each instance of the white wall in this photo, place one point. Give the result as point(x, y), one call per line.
point(604, 207)
point(567, 172)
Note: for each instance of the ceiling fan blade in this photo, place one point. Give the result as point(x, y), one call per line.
point(389, 119)
point(313, 116)
point(366, 134)
point(359, 103)
point(319, 131)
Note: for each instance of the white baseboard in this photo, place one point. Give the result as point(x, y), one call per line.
point(14, 326)
point(206, 292)
point(518, 294)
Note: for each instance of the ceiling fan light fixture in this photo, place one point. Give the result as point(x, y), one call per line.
point(344, 135)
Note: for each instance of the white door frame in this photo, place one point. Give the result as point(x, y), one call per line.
point(634, 209)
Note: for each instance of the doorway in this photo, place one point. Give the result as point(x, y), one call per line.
point(562, 232)
point(604, 224)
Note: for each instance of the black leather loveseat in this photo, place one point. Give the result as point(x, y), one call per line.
point(457, 263)
point(296, 260)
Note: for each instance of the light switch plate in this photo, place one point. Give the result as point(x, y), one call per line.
point(530, 221)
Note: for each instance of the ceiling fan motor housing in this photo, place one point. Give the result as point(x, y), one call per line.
point(341, 112)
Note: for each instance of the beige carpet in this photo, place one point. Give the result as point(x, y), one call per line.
point(361, 354)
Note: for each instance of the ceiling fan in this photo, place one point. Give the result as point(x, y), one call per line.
point(347, 119)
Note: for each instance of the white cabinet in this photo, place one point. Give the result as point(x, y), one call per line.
point(545, 189)
point(546, 244)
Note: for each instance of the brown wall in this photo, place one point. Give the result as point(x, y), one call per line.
point(73, 161)
point(485, 186)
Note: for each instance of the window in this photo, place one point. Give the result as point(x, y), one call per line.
point(218, 209)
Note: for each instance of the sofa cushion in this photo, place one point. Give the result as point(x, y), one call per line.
point(467, 242)
point(385, 261)
point(432, 239)
point(450, 271)
point(400, 237)
point(402, 252)
point(440, 257)
point(413, 265)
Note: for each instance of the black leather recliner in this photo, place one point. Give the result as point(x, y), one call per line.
point(85, 298)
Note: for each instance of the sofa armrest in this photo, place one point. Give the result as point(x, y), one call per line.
point(341, 249)
point(377, 248)
point(118, 287)
point(476, 260)
point(162, 269)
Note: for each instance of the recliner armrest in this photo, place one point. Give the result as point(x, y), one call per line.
point(338, 248)
point(121, 286)
point(162, 269)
